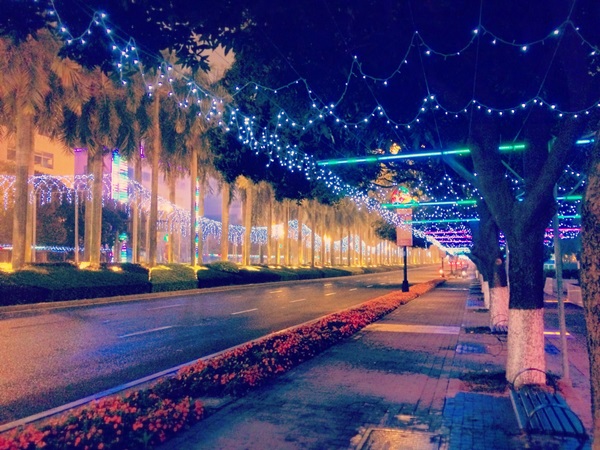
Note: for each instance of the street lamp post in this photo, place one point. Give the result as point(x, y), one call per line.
point(405, 281)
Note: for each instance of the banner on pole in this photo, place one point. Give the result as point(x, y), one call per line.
point(404, 233)
point(405, 214)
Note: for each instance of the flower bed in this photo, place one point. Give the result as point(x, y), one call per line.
point(147, 417)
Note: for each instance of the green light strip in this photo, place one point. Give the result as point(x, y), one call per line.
point(570, 197)
point(459, 151)
point(512, 147)
point(585, 141)
point(576, 216)
point(442, 221)
point(416, 204)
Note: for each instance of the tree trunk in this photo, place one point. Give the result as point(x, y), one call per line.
point(332, 246)
point(225, 222)
point(499, 296)
point(135, 210)
point(323, 241)
point(526, 315)
point(195, 236)
point(96, 209)
point(270, 230)
point(313, 233)
point(31, 215)
point(87, 217)
point(155, 158)
point(360, 247)
point(24, 148)
point(300, 244)
point(286, 232)
point(590, 280)
point(350, 247)
point(172, 240)
point(246, 249)
point(200, 215)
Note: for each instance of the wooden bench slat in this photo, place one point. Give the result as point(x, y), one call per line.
point(539, 411)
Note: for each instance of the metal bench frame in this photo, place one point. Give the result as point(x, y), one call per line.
point(539, 411)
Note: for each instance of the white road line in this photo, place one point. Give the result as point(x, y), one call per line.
point(331, 293)
point(369, 285)
point(353, 289)
point(164, 307)
point(145, 331)
point(275, 292)
point(299, 300)
point(327, 284)
point(245, 311)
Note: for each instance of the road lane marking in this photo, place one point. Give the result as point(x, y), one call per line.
point(164, 307)
point(331, 293)
point(276, 292)
point(146, 331)
point(327, 284)
point(245, 311)
point(369, 285)
point(353, 289)
point(299, 300)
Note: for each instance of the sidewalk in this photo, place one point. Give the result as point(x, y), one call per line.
point(424, 377)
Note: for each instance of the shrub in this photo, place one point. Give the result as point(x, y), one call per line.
point(224, 266)
point(215, 278)
point(334, 272)
point(263, 275)
point(173, 277)
point(63, 281)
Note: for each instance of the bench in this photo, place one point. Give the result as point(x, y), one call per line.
point(540, 410)
point(500, 326)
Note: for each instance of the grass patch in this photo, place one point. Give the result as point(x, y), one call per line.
point(492, 382)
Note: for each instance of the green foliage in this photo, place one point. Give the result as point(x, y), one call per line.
point(56, 282)
point(173, 277)
point(224, 266)
point(384, 230)
point(47, 282)
point(214, 278)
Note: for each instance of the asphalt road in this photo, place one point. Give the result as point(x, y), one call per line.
point(50, 357)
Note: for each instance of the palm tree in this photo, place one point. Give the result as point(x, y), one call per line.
point(25, 69)
point(264, 214)
point(300, 244)
point(247, 187)
point(226, 197)
point(96, 128)
point(134, 128)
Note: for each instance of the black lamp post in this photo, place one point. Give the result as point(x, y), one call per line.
point(405, 282)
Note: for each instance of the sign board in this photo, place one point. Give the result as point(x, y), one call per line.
point(403, 233)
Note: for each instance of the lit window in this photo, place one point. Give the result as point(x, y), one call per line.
point(44, 159)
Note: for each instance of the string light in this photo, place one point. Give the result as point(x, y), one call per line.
point(289, 155)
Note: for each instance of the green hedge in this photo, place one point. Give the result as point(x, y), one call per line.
point(49, 282)
point(173, 277)
point(214, 278)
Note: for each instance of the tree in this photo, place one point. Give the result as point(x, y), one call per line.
point(590, 275)
point(24, 86)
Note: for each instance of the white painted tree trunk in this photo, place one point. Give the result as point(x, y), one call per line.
point(499, 306)
point(485, 288)
point(526, 361)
